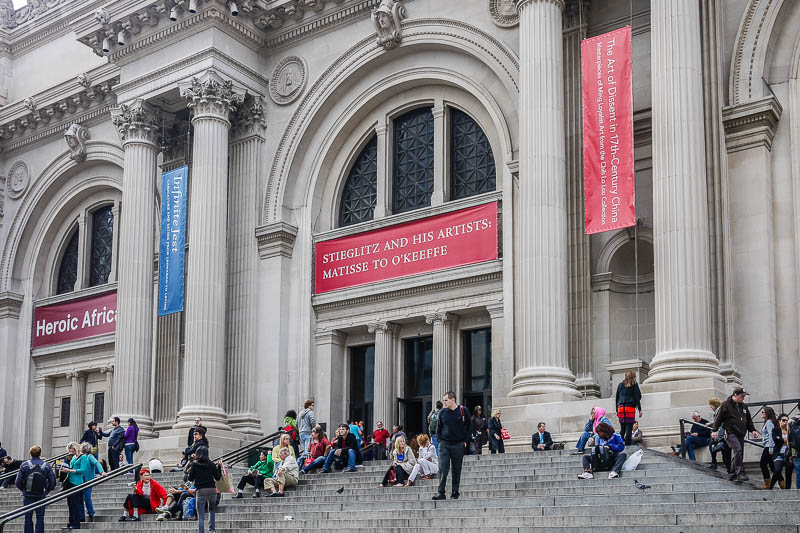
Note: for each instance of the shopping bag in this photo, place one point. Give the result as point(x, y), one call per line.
point(225, 483)
point(505, 434)
point(633, 461)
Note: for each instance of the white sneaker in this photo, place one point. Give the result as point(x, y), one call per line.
point(612, 475)
point(586, 475)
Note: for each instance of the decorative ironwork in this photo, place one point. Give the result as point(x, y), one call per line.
point(413, 160)
point(102, 244)
point(68, 269)
point(472, 169)
point(360, 190)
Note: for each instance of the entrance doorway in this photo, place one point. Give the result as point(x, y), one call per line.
point(362, 380)
point(418, 365)
point(477, 345)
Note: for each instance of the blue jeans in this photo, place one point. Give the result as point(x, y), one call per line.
point(435, 444)
point(206, 496)
point(796, 472)
point(693, 442)
point(129, 453)
point(351, 460)
point(313, 465)
point(87, 500)
point(304, 439)
point(585, 436)
point(27, 500)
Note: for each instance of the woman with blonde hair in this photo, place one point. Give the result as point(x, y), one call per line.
point(629, 398)
point(78, 470)
point(495, 433)
point(402, 463)
point(427, 462)
point(285, 442)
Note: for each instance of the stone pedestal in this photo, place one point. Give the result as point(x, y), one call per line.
point(384, 372)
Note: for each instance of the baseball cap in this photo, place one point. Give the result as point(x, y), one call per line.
point(741, 390)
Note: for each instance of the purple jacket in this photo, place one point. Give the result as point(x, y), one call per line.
point(130, 434)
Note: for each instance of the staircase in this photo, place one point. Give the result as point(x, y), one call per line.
point(512, 492)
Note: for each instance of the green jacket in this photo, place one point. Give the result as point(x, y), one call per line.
point(265, 468)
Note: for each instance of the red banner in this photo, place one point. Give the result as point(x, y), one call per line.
point(606, 66)
point(435, 243)
point(75, 320)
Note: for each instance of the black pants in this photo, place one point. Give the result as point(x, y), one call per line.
point(726, 455)
point(450, 452)
point(256, 480)
point(75, 503)
point(617, 458)
point(736, 444)
point(766, 463)
point(625, 431)
point(176, 508)
point(399, 474)
point(783, 472)
point(137, 501)
point(113, 458)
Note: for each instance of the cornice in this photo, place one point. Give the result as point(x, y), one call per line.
point(76, 295)
point(751, 124)
point(89, 118)
point(276, 239)
point(52, 17)
point(10, 305)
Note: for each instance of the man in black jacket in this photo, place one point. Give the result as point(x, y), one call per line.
point(198, 425)
point(541, 440)
point(343, 448)
point(454, 433)
point(735, 418)
point(9, 465)
point(699, 436)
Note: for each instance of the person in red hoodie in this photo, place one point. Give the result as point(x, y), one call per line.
point(147, 496)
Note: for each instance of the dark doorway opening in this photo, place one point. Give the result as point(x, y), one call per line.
point(362, 380)
point(477, 345)
point(418, 359)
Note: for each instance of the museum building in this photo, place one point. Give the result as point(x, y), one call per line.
point(385, 201)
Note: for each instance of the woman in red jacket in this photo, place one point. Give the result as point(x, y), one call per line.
point(147, 496)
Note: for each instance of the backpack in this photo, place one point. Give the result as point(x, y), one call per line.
point(794, 434)
point(433, 422)
point(36, 480)
point(292, 432)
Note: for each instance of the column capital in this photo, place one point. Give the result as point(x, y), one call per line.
point(752, 124)
point(438, 316)
point(211, 96)
point(249, 120)
point(10, 304)
point(107, 369)
point(522, 4)
point(380, 325)
point(496, 310)
point(137, 122)
point(73, 375)
point(330, 336)
point(276, 239)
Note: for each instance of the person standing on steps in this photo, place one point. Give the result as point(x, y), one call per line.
point(381, 437)
point(629, 399)
point(734, 417)
point(116, 441)
point(306, 422)
point(36, 480)
point(718, 445)
point(454, 432)
point(496, 444)
point(770, 423)
point(131, 440)
point(94, 470)
point(480, 430)
point(92, 435)
point(205, 475)
point(433, 420)
point(782, 456)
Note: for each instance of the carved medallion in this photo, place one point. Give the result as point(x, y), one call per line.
point(504, 13)
point(288, 80)
point(18, 179)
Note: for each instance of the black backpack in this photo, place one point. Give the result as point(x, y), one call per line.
point(794, 434)
point(36, 480)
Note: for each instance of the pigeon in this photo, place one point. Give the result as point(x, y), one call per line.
point(340, 490)
point(640, 486)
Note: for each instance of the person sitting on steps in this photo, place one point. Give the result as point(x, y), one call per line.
point(597, 416)
point(402, 461)
point(343, 451)
point(284, 442)
point(541, 440)
point(147, 496)
point(262, 470)
point(285, 475)
point(607, 454)
point(699, 436)
point(636, 434)
point(427, 460)
point(319, 447)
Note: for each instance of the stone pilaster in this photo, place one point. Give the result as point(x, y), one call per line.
point(329, 378)
point(108, 372)
point(44, 389)
point(441, 375)
point(212, 99)
point(138, 126)
point(541, 316)
point(245, 160)
point(680, 208)
point(384, 394)
point(77, 410)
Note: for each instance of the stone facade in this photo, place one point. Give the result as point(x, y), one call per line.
point(270, 104)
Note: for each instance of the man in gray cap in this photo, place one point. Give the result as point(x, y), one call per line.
point(735, 418)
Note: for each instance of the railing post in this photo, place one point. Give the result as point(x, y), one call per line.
point(683, 440)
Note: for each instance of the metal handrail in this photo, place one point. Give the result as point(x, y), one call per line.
point(50, 461)
point(234, 456)
point(683, 435)
point(4, 519)
point(761, 405)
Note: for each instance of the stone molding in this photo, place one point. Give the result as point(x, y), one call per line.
point(750, 49)
point(751, 124)
point(439, 316)
point(137, 122)
point(249, 120)
point(498, 10)
point(381, 325)
point(522, 4)
point(278, 91)
point(211, 96)
point(330, 336)
point(276, 240)
point(83, 347)
point(496, 310)
point(75, 295)
point(10, 305)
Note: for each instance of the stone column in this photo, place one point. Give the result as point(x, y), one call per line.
point(680, 208)
point(212, 99)
point(502, 371)
point(108, 371)
point(541, 319)
point(441, 158)
point(138, 127)
point(245, 161)
point(166, 400)
point(77, 410)
point(329, 381)
point(441, 375)
point(43, 397)
point(384, 372)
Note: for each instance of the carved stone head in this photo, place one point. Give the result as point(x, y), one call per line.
point(76, 137)
point(387, 18)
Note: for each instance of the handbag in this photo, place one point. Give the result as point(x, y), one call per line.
point(225, 483)
point(136, 446)
point(392, 475)
point(505, 434)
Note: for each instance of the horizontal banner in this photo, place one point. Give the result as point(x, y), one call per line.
point(75, 320)
point(435, 243)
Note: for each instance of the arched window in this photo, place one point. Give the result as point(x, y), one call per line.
point(102, 245)
point(68, 269)
point(360, 189)
point(413, 160)
point(472, 168)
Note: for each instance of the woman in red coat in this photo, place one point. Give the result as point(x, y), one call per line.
point(147, 496)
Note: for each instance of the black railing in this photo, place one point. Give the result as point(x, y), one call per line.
point(51, 462)
point(4, 519)
point(234, 456)
point(794, 406)
point(683, 435)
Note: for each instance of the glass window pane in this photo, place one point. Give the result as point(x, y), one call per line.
point(102, 243)
point(418, 367)
point(99, 406)
point(65, 407)
point(360, 190)
point(472, 168)
point(413, 160)
point(68, 270)
point(362, 364)
point(478, 359)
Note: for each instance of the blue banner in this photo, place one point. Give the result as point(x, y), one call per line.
point(172, 256)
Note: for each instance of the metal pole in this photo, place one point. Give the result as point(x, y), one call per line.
point(636, 281)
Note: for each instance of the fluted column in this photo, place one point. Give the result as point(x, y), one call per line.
point(77, 411)
point(212, 99)
point(680, 208)
point(441, 373)
point(542, 293)
point(384, 374)
point(138, 127)
point(245, 160)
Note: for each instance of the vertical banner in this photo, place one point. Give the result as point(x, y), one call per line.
point(173, 241)
point(606, 74)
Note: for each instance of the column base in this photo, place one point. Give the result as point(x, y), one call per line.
point(145, 424)
point(544, 380)
point(246, 423)
point(730, 373)
point(213, 417)
point(681, 365)
point(588, 387)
